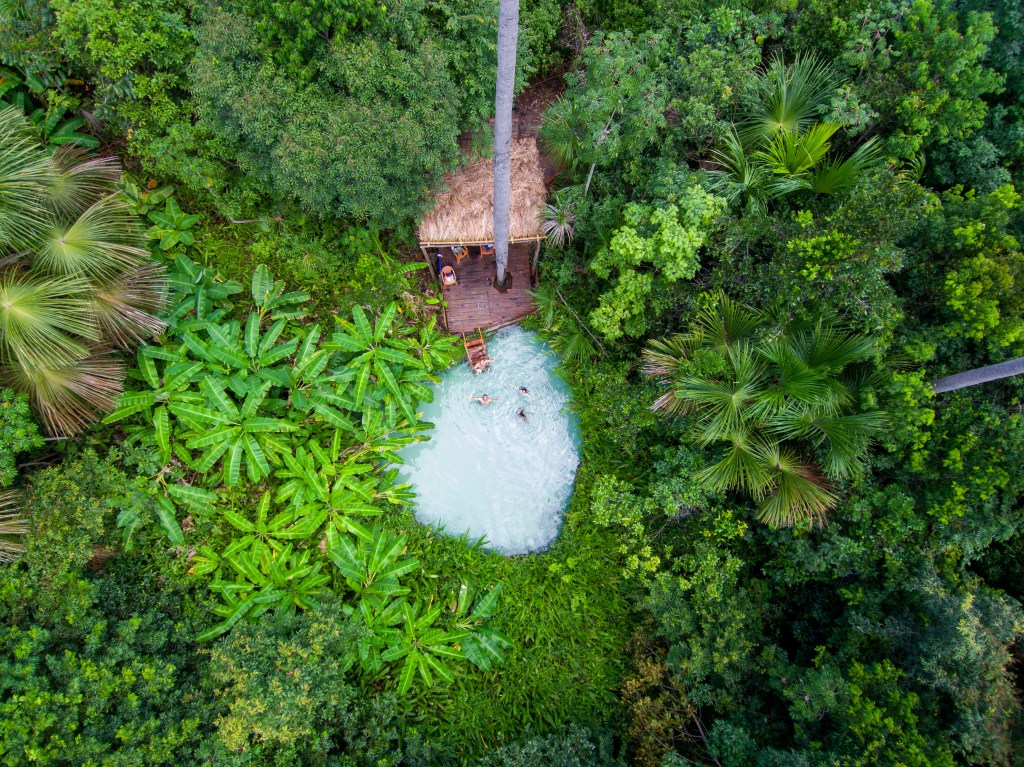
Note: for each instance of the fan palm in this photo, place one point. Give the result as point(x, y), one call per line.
point(837, 174)
point(779, 148)
point(783, 404)
point(792, 95)
point(740, 177)
point(558, 221)
point(75, 279)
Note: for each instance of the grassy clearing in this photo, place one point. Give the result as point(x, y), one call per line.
point(568, 614)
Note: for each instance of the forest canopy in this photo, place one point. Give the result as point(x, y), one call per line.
point(775, 230)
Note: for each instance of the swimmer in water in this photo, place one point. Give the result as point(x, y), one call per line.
point(484, 400)
point(524, 391)
point(521, 414)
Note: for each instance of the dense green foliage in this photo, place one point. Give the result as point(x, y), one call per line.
point(772, 224)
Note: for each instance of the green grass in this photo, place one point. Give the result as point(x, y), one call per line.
point(569, 616)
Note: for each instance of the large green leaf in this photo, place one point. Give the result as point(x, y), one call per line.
point(166, 512)
point(362, 325)
point(233, 465)
point(384, 322)
point(162, 431)
point(252, 334)
point(487, 604)
point(486, 648)
point(412, 662)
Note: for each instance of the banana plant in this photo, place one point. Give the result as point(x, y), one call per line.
point(379, 438)
point(170, 376)
point(381, 618)
point(375, 354)
point(270, 534)
point(272, 301)
point(373, 562)
point(483, 645)
point(283, 580)
point(313, 477)
point(200, 294)
point(172, 229)
point(237, 433)
point(143, 197)
point(195, 499)
point(424, 648)
point(227, 351)
point(434, 348)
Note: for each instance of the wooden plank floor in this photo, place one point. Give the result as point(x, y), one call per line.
point(474, 303)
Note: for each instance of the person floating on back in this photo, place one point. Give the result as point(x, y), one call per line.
point(485, 400)
point(524, 391)
point(521, 414)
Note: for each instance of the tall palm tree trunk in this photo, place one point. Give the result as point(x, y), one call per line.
point(508, 31)
point(979, 375)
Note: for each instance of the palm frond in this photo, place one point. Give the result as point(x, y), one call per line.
point(558, 220)
point(742, 468)
point(559, 136)
point(742, 178)
point(101, 242)
point(845, 438)
point(727, 323)
point(793, 95)
point(545, 299)
point(573, 344)
point(832, 348)
point(792, 154)
point(791, 378)
point(835, 175)
point(43, 321)
point(80, 181)
point(799, 494)
point(663, 357)
point(12, 526)
point(70, 398)
point(127, 307)
point(25, 180)
point(721, 405)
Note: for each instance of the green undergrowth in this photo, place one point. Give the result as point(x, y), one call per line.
point(568, 613)
point(337, 266)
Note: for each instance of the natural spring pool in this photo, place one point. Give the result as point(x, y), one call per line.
point(485, 470)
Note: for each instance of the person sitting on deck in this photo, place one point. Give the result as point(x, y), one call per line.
point(448, 277)
point(459, 252)
point(487, 249)
point(485, 400)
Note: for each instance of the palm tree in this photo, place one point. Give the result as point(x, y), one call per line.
point(508, 32)
point(779, 149)
point(782, 401)
point(1014, 367)
point(75, 279)
point(558, 220)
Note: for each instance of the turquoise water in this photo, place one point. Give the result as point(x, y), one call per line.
point(486, 471)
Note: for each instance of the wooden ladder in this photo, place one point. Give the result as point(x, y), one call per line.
point(476, 353)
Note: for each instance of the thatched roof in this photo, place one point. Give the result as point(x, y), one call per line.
point(464, 212)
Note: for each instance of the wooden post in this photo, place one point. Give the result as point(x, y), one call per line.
point(536, 259)
point(430, 263)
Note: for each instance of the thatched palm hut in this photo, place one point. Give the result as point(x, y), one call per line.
point(463, 214)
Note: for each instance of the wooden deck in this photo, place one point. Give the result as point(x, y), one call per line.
point(475, 304)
